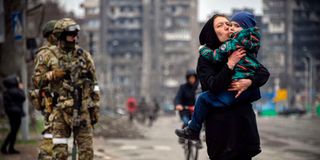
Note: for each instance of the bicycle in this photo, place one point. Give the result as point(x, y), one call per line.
point(191, 147)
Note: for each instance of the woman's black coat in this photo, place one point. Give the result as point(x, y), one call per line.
point(231, 132)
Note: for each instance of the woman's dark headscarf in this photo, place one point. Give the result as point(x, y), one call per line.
point(208, 35)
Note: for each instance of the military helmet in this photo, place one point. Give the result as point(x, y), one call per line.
point(65, 25)
point(48, 28)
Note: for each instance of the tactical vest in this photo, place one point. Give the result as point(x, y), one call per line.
point(75, 64)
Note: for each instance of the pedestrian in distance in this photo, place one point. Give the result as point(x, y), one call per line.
point(132, 108)
point(13, 99)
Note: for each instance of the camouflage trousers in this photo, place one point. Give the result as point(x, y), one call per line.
point(45, 148)
point(62, 129)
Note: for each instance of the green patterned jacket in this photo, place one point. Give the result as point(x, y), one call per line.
point(249, 39)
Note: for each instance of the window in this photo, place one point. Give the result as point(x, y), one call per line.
point(173, 9)
point(94, 23)
point(93, 10)
point(137, 44)
point(123, 9)
point(182, 22)
point(168, 22)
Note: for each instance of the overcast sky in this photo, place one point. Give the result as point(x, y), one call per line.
point(206, 7)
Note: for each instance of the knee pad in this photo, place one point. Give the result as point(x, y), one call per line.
point(60, 140)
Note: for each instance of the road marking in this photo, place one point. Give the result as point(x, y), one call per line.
point(128, 147)
point(156, 147)
point(162, 148)
point(102, 155)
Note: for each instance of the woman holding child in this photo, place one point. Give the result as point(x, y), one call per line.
point(230, 77)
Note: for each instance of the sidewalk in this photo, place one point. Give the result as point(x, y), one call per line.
point(27, 152)
point(289, 138)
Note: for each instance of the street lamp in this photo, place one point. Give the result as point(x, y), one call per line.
point(308, 81)
point(309, 67)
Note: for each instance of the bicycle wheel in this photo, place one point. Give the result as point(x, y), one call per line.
point(191, 150)
point(186, 149)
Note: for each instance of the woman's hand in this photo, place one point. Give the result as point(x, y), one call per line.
point(240, 86)
point(235, 57)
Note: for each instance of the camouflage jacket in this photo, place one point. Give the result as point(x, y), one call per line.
point(80, 69)
point(249, 39)
point(36, 98)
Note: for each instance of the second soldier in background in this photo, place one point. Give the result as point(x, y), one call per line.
point(41, 97)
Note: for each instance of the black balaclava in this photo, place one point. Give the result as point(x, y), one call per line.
point(208, 35)
point(68, 46)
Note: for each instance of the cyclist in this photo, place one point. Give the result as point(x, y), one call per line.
point(186, 97)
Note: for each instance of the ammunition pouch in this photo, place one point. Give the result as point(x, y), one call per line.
point(50, 100)
point(55, 98)
point(36, 99)
point(93, 116)
point(48, 103)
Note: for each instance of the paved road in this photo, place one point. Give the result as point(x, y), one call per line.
point(281, 138)
point(289, 138)
point(160, 144)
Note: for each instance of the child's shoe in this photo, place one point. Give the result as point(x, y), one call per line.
point(187, 133)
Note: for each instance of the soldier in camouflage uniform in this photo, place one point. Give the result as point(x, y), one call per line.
point(42, 100)
point(69, 73)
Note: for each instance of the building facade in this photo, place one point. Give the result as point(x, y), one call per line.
point(150, 45)
point(90, 40)
point(91, 25)
point(179, 34)
point(290, 45)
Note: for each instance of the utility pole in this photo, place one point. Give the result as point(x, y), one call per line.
point(311, 88)
point(290, 58)
point(194, 33)
point(2, 27)
point(157, 43)
point(24, 74)
point(306, 74)
point(104, 53)
point(14, 51)
point(310, 65)
point(146, 55)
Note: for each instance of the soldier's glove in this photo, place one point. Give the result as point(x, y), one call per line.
point(36, 99)
point(94, 117)
point(58, 73)
point(94, 121)
point(55, 74)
